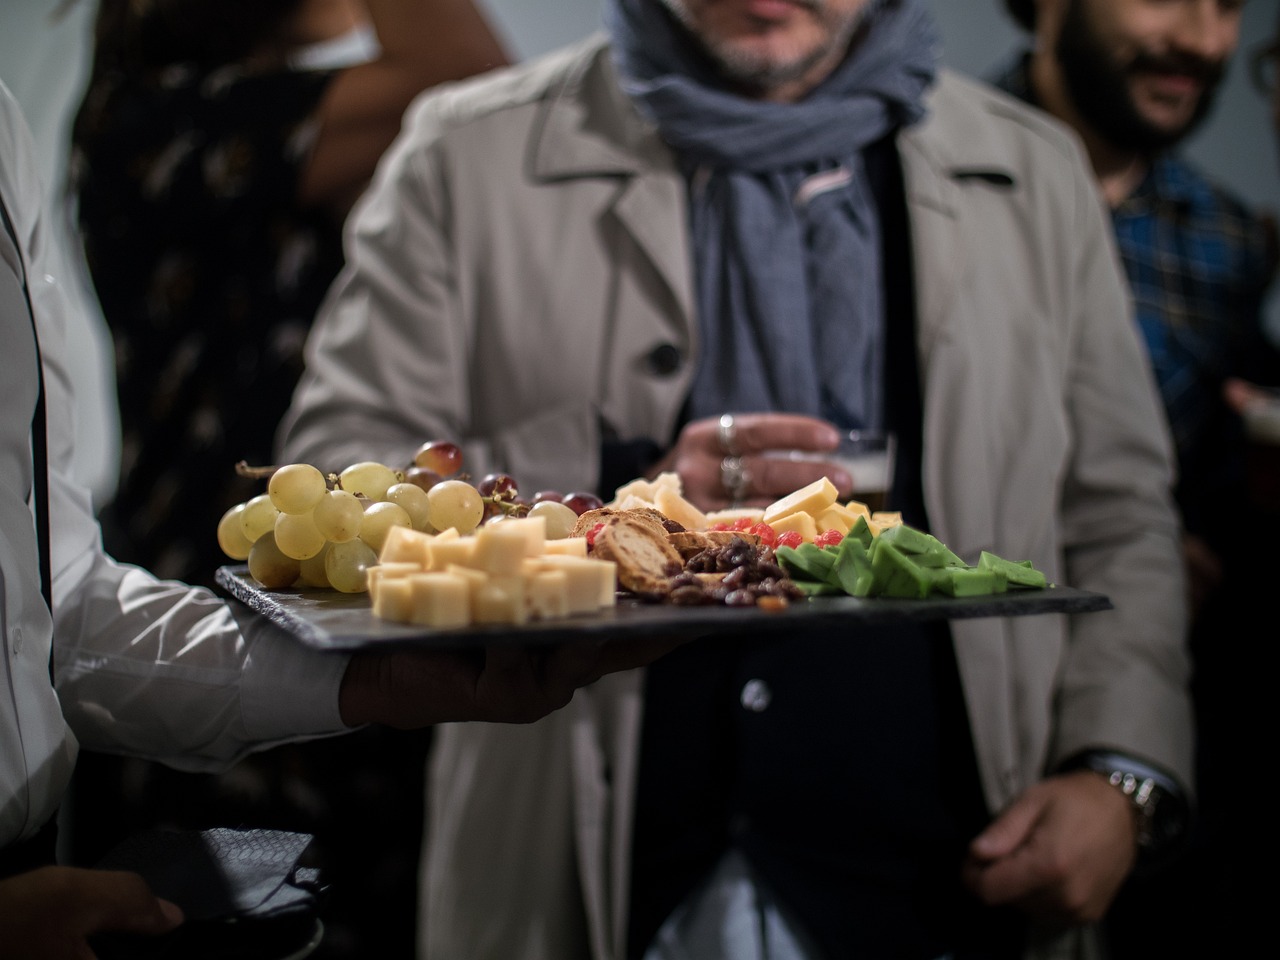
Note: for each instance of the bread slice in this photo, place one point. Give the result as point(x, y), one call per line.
point(646, 561)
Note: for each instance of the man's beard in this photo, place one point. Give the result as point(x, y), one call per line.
point(756, 71)
point(1098, 86)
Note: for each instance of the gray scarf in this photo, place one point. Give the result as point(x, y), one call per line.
point(785, 232)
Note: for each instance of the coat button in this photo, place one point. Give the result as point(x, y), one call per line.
point(664, 359)
point(756, 696)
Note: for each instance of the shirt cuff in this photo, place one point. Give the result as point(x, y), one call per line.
point(288, 691)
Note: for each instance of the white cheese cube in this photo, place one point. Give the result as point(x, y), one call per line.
point(439, 600)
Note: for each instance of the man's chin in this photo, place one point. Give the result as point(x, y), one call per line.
point(1167, 126)
point(763, 62)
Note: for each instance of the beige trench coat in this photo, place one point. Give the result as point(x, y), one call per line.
point(519, 258)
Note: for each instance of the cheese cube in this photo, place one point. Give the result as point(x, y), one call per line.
point(439, 600)
point(499, 599)
point(546, 594)
point(567, 546)
point(812, 499)
point(592, 584)
point(404, 544)
point(392, 598)
point(501, 547)
point(375, 574)
point(449, 551)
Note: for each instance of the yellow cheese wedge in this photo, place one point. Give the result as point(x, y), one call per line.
point(439, 600)
point(632, 502)
point(836, 517)
point(858, 508)
point(811, 499)
point(883, 520)
point(676, 507)
point(733, 514)
point(802, 523)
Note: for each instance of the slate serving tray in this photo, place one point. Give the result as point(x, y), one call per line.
point(329, 620)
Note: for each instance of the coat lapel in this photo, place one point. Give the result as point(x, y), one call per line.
point(591, 129)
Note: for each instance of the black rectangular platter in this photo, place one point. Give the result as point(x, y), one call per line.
point(328, 620)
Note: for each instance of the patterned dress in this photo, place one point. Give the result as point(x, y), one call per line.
point(209, 272)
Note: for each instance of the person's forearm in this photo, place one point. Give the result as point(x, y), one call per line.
point(441, 39)
point(423, 43)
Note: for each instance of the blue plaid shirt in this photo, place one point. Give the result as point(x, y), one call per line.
point(1198, 264)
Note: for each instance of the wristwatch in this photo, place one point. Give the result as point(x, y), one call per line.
point(1159, 810)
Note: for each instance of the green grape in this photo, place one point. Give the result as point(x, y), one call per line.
point(311, 571)
point(269, 566)
point(368, 478)
point(345, 565)
point(378, 519)
point(259, 517)
point(457, 504)
point(415, 502)
point(297, 535)
point(338, 516)
point(560, 519)
point(296, 488)
point(231, 538)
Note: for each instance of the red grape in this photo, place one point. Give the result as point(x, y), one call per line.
point(422, 477)
point(555, 496)
point(829, 538)
point(580, 502)
point(497, 485)
point(442, 456)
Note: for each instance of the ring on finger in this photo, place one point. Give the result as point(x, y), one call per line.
point(728, 435)
point(735, 478)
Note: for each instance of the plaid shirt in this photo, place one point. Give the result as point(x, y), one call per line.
point(1198, 264)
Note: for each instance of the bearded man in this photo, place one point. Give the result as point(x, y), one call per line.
point(783, 211)
point(1135, 78)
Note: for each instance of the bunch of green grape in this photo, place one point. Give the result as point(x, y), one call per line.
point(320, 531)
